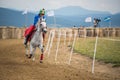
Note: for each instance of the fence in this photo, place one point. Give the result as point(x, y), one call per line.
point(17, 33)
point(102, 32)
point(11, 32)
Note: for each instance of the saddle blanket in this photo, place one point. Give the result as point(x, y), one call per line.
point(29, 30)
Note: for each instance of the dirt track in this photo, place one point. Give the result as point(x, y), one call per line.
point(15, 66)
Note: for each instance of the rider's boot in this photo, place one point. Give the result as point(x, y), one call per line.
point(41, 58)
point(43, 39)
point(25, 41)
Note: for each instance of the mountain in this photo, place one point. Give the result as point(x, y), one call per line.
point(9, 17)
point(64, 17)
point(116, 19)
point(76, 10)
point(75, 15)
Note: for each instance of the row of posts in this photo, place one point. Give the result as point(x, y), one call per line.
point(17, 33)
point(11, 33)
point(101, 32)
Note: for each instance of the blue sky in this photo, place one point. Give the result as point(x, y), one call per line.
point(111, 6)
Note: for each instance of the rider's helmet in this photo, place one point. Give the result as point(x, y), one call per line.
point(42, 11)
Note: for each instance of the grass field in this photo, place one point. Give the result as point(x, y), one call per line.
point(108, 51)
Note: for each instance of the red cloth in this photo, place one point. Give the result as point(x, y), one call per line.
point(41, 57)
point(29, 30)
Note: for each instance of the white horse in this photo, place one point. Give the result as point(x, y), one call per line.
point(37, 40)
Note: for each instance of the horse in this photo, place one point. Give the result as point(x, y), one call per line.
point(37, 40)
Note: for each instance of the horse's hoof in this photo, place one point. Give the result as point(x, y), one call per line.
point(68, 45)
point(43, 46)
point(26, 46)
point(26, 55)
point(41, 61)
point(30, 56)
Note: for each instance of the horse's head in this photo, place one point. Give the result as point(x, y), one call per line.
point(44, 27)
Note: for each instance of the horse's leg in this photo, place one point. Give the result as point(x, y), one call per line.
point(33, 54)
point(41, 56)
point(26, 51)
point(32, 50)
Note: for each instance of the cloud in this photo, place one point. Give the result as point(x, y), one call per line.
point(34, 5)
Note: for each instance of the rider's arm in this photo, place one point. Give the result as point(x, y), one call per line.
point(35, 20)
point(44, 18)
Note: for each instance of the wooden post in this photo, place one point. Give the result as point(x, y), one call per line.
point(0, 33)
point(94, 32)
point(85, 32)
point(4, 36)
point(113, 32)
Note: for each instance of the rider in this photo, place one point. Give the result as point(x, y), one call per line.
point(28, 32)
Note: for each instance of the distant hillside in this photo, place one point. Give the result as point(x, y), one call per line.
point(64, 17)
point(9, 17)
point(76, 11)
point(75, 15)
point(116, 19)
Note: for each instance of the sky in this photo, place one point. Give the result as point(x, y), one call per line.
point(111, 6)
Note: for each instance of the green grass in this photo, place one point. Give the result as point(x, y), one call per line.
point(107, 51)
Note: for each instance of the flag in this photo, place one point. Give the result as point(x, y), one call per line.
point(88, 19)
point(107, 19)
point(50, 13)
point(25, 12)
